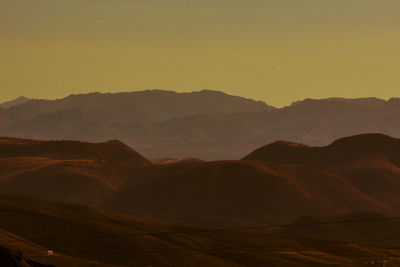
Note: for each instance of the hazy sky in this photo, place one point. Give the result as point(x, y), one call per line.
point(273, 50)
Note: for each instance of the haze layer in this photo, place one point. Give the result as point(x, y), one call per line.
point(276, 51)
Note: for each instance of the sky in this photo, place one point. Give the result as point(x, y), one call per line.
point(278, 51)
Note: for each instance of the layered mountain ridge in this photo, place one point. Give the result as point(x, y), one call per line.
point(208, 124)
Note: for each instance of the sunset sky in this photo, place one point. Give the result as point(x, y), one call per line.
point(277, 51)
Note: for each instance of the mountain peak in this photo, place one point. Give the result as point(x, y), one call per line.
point(113, 150)
point(342, 151)
point(18, 101)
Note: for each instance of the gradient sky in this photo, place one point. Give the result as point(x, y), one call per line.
point(278, 51)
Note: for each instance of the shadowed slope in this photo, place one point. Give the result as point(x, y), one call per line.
point(92, 234)
point(112, 150)
point(134, 240)
point(353, 226)
point(67, 180)
point(10, 258)
point(342, 151)
point(248, 190)
point(67, 170)
point(39, 254)
point(282, 181)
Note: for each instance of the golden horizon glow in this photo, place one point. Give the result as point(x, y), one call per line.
point(278, 51)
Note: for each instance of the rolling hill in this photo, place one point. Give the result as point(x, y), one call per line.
point(24, 253)
point(67, 170)
point(248, 190)
point(285, 204)
point(280, 181)
point(353, 226)
point(111, 151)
point(343, 151)
point(82, 235)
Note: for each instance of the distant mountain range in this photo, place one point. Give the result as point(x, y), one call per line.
point(15, 102)
point(207, 125)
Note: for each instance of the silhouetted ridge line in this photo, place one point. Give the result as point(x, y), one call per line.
point(65, 149)
point(342, 151)
point(18, 101)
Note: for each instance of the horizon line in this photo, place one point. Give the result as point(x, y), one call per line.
point(201, 90)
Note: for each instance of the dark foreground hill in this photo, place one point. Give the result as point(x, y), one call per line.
point(112, 150)
point(96, 237)
point(282, 208)
point(10, 258)
point(22, 252)
point(354, 226)
point(259, 191)
point(358, 173)
point(343, 151)
point(67, 170)
point(281, 181)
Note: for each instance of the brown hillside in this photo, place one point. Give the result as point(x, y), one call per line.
point(351, 226)
point(11, 258)
point(67, 170)
point(247, 190)
point(342, 151)
point(137, 240)
point(37, 254)
point(112, 150)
